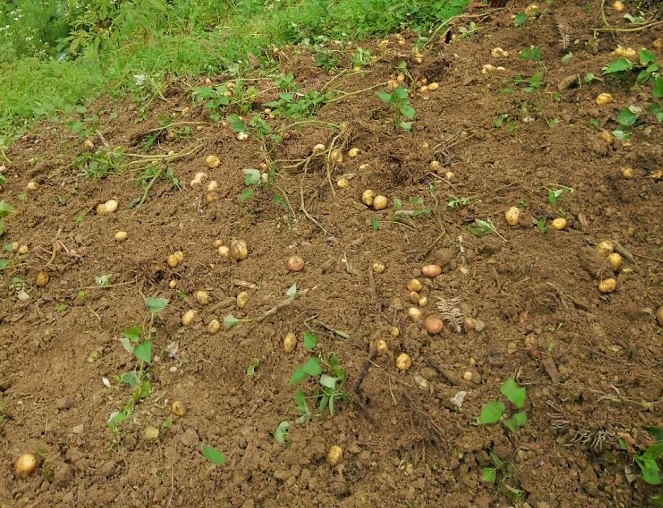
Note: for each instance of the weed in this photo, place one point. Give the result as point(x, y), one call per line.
point(555, 193)
point(501, 472)
point(566, 59)
point(100, 163)
point(5, 211)
point(468, 31)
point(298, 107)
point(215, 99)
point(253, 365)
point(102, 280)
point(519, 19)
point(150, 176)
point(483, 228)
point(532, 53)
point(493, 411)
point(532, 83)
point(403, 111)
point(647, 461)
point(456, 203)
point(213, 455)
point(361, 58)
point(281, 434)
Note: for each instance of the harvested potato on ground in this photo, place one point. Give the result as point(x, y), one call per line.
point(605, 248)
point(242, 300)
point(367, 197)
point(335, 455)
point(607, 285)
point(615, 261)
point(380, 203)
point(380, 346)
point(198, 178)
point(336, 156)
point(178, 408)
point(431, 271)
point(212, 161)
point(202, 297)
point(108, 207)
point(618, 6)
point(433, 325)
point(512, 216)
point(25, 465)
point(188, 317)
point(41, 279)
point(343, 183)
point(627, 173)
point(353, 152)
point(318, 149)
point(295, 264)
point(289, 342)
point(403, 362)
point(414, 313)
point(414, 285)
point(121, 236)
point(659, 315)
point(378, 267)
point(32, 186)
point(239, 250)
point(558, 224)
point(604, 99)
point(214, 326)
point(224, 251)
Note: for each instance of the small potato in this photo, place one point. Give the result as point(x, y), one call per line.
point(606, 137)
point(89, 144)
point(435, 166)
point(433, 325)
point(108, 207)
point(605, 248)
point(512, 216)
point(627, 173)
point(188, 317)
point(659, 315)
point(318, 149)
point(380, 203)
point(239, 250)
point(604, 99)
point(218, 243)
point(23, 250)
point(467, 375)
point(618, 6)
point(335, 455)
point(172, 284)
point(150, 434)
point(431, 271)
point(394, 331)
point(212, 161)
point(380, 346)
point(178, 408)
point(558, 224)
point(367, 197)
point(469, 324)
point(41, 279)
point(212, 186)
point(449, 175)
point(403, 362)
point(487, 69)
point(121, 236)
point(378, 267)
point(657, 44)
point(289, 342)
point(353, 152)
point(607, 285)
point(499, 53)
point(423, 89)
point(202, 297)
point(531, 10)
point(295, 264)
point(336, 156)
point(32, 186)
point(214, 326)
point(423, 301)
point(25, 465)
point(224, 251)
point(615, 261)
point(433, 86)
point(414, 285)
point(198, 178)
point(172, 260)
point(343, 183)
point(414, 297)
point(414, 313)
point(242, 300)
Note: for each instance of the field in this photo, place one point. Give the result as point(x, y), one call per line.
point(419, 264)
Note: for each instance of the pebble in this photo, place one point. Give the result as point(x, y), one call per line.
point(78, 429)
point(190, 438)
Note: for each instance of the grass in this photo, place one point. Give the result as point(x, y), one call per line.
point(54, 58)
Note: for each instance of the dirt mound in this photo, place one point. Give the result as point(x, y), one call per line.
point(590, 361)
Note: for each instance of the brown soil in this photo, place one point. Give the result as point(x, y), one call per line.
point(591, 362)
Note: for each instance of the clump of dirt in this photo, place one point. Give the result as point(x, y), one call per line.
point(590, 361)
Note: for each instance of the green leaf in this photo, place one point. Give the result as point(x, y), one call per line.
point(658, 500)
point(491, 413)
point(245, 195)
point(251, 369)
point(408, 112)
point(298, 375)
point(213, 455)
point(158, 5)
point(654, 451)
point(281, 432)
point(229, 321)
point(520, 418)
point(236, 125)
point(488, 475)
point(651, 474)
point(167, 423)
point(328, 381)
point(133, 333)
point(657, 87)
point(619, 65)
point(300, 402)
point(375, 225)
point(114, 422)
point(656, 432)
point(384, 96)
point(102, 280)
point(155, 305)
point(627, 117)
point(144, 351)
point(3, 264)
point(513, 392)
point(647, 57)
point(292, 291)
point(251, 176)
point(496, 460)
point(519, 19)
point(312, 367)
point(310, 340)
point(5, 209)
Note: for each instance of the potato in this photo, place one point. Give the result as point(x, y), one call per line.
point(218, 243)
point(403, 362)
point(318, 149)
point(23, 250)
point(41, 279)
point(606, 137)
point(150, 434)
point(414, 313)
point(486, 69)
point(25, 465)
point(431, 271)
point(657, 44)
point(172, 260)
point(499, 53)
point(224, 251)
point(394, 331)
point(380, 346)
point(188, 317)
point(214, 326)
point(433, 86)
point(336, 156)
point(433, 325)
point(289, 342)
point(467, 375)
point(172, 284)
point(108, 207)
point(198, 178)
point(239, 250)
point(624, 52)
point(32, 186)
point(607, 285)
point(242, 299)
point(414, 285)
point(627, 173)
point(423, 301)
point(121, 236)
point(353, 152)
point(659, 315)
point(343, 183)
point(89, 144)
point(512, 216)
point(335, 455)
point(423, 89)
point(469, 324)
point(295, 264)
point(202, 297)
point(435, 167)
point(558, 224)
point(449, 175)
point(367, 197)
point(604, 99)
point(605, 248)
point(618, 6)
point(380, 203)
point(378, 267)
point(178, 408)
point(414, 297)
point(212, 161)
point(212, 186)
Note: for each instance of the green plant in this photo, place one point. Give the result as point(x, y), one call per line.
point(483, 228)
point(532, 83)
point(361, 58)
point(149, 177)
point(456, 203)
point(253, 180)
point(555, 193)
point(329, 377)
point(5, 211)
point(213, 455)
point(503, 471)
point(253, 365)
point(138, 342)
point(519, 19)
point(298, 106)
point(281, 434)
point(532, 53)
point(494, 411)
point(403, 111)
point(467, 31)
point(647, 460)
point(100, 163)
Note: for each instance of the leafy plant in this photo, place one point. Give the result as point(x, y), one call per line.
point(329, 377)
point(456, 203)
point(504, 471)
point(494, 411)
point(532, 53)
point(5, 211)
point(532, 83)
point(483, 227)
point(361, 58)
point(467, 31)
point(281, 433)
point(403, 111)
point(298, 106)
point(213, 455)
